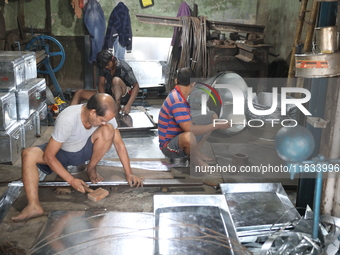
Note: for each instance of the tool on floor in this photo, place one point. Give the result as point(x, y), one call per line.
point(15, 187)
point(96, 195)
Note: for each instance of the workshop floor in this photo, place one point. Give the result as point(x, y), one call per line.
point(142, 146)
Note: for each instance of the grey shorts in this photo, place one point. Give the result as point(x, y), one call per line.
point(69, 158)
point(172, 149)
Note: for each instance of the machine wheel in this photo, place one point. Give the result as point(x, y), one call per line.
point(45, 42)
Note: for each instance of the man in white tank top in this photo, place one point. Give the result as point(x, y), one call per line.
point(81, 133)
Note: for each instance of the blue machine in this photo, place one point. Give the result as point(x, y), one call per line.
point(43, 42)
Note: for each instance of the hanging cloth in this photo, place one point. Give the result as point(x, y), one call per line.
point(95, 23)
point(81, 4)
point(77, 9)
point(184, 10)
point(119, 25)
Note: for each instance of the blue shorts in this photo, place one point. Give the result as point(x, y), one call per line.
point(172, 149)
point(69, 158)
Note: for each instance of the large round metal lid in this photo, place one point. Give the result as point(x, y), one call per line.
point(219, 99)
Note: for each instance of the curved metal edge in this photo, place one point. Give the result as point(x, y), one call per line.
point(7, 199)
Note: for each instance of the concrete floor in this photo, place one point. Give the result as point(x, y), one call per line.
point(142, 146)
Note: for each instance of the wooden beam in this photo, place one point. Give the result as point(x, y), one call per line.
point(159, 20)
point(235, 27)
point(217, 25)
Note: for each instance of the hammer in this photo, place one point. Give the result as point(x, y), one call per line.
point(96, 195)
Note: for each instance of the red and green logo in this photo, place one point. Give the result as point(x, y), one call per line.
point(212, 92)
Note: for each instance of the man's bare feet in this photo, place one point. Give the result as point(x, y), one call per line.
point(29, 212)
point(94, 176)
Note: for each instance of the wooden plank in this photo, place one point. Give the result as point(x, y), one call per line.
point(159, 20)
point(235, 27)
point(218, 25)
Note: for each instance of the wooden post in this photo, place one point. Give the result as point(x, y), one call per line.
point(297, 38)
point(308, 40)
point(311, 27)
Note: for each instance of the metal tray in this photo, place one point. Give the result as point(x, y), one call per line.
point(135, 120)
point(258, 207)
point(194, 224)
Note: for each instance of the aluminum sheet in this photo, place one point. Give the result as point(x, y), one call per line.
point(148, 73)
point(10, 195)
point(145, 165)
point(149, 48)
point(256, 207)
point(194, 224)
point(135, 120)
point(87, 233)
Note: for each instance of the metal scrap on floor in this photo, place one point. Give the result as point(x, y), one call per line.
point(264, 222)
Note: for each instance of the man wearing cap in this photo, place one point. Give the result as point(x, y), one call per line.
point(116, 78)
point(179, 134)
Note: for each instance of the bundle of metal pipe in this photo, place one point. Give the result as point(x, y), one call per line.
point(191, 51)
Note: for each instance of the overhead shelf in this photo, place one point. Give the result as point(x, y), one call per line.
point(218, 25)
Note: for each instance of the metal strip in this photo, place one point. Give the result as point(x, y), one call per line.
point(158, 166)
point(146, 183)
